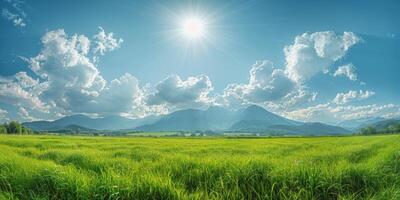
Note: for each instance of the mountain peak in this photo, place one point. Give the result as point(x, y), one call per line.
point(215, 109)
point(255, 107)
point(258, 113)
point(254, 110)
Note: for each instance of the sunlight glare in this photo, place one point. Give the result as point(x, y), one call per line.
point(193, 28)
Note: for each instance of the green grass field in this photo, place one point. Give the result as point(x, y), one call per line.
point(62, 167)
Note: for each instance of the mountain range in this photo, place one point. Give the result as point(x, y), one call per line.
point(355, 124)
point(253, 119)
point(104, 123)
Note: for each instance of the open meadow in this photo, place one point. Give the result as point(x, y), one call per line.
point(74, 167)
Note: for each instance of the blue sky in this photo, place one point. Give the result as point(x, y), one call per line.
point(308, 60)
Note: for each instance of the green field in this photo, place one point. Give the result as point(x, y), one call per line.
point(65, 167)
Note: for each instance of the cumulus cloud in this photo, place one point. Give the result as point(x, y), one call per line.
point(283, 89)
point(24, 114)
point(117, 97)
point(22, 90)
point(104, 42)
point(266, 83)
point(337, 110)
point(297, 98)
point(70, 82)
point(70, 75)
point(312, 53)
point(177, 93)
point(343, 98)
point(25, 81)
point(73, 80)
point(348, 70)
point(270, 87)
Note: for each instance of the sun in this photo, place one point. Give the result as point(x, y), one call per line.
point(193, 28)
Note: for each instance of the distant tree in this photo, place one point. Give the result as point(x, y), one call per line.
point(26, 130)
point(3, 129)
point(14, 127)
point(392, 129)
point(388, 130)
point(396, 128)
point(369, 131)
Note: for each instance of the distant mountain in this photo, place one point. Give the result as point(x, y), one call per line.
point(40, 125)
point(312, 128)
point(74, 129)
point(214, 118)
point(258, 114)
point(251, 119)
point(104, 123)
point(255, 118)
point(355, 124)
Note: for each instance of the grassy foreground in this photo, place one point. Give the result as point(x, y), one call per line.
point(57, 167)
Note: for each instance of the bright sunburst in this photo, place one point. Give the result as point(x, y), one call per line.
point(193, 28)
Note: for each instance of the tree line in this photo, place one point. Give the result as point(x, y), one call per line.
point(370, 130)
point(14, 127)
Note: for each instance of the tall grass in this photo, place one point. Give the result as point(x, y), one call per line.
point(55, 167)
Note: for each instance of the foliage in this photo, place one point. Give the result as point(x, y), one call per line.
point(370, 130)
point(14, 128)
point(55, 167)
point(3, 129)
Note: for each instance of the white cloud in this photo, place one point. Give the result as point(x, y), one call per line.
point(356, 112)
point(70, 80)
point(14, 18)
point(312, 53)
point(266, 83)
point(336, 110)
point(285, 89)
point(333, 113)
point(3, 116)
point(14, 13)
point(70, 75)
point(294, 100)
point(105, 42)
point(346, 70)
point(118, 97)
point(24, 115)
point(73, 80)
point(320, 112)
point(22, 90)
point(343, 98)
point(25, 81)
point(270, 87)
point(174, 92)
